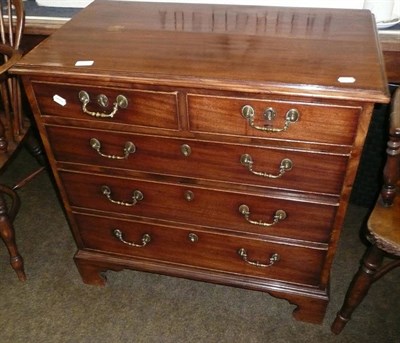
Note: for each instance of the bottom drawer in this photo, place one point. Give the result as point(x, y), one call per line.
point(201, 248)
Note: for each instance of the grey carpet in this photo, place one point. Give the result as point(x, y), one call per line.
point(53, 305)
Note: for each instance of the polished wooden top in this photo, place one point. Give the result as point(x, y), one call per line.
point(245, 48)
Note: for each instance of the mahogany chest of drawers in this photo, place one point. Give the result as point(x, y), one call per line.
point(216, 143)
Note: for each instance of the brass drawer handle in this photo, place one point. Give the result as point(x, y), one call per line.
point(129, 148)
point(247, 161)
point(145, 239)
point(120, 102)
point(278, 216)
point(137, 196)
point(248, 113)
point(274, 258)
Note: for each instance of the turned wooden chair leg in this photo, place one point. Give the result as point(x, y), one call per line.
point(7, 231)
point(3, 139)
point(36, 151)
point(4, 98)
point(35, 148)
point(359, 287)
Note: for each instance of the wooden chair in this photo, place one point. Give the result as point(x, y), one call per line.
point(383, 227)
point(14, 126)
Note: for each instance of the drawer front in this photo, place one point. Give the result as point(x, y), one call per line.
point(143, 107)
point(230, 163)
point(200, 206)
point(201, 249)
point(316, 122)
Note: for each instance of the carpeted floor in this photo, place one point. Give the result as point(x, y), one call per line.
point(53, 305)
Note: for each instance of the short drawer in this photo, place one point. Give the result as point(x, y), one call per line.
point(231, 163)
point(203, 249)
point(314, 122)
point(201, 206)
point(142, 107)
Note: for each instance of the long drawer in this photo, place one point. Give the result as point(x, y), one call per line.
point(202, 249)
point(142, 107)
point(231, 163)
point(328, 124)
point(201, 206)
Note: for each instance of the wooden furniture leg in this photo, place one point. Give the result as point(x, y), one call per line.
point(3, 140)
point(7, 230)
point(3, 128)
point(35, 148)
point(311, 309)
point(359, 287)
point(92, 272)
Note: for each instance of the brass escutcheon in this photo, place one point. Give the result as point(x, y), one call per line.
point(286, 164)
point(248, 111)
point(292, 115)
point(122, 101)
point(189, 195)
point(84, 97)
point(269, 114)
point(186, 150)
point(193, 237)
point(102, 100)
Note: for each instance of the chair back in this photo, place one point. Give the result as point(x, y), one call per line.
point(12, 125)
point(391, 173)
point(12, 22)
